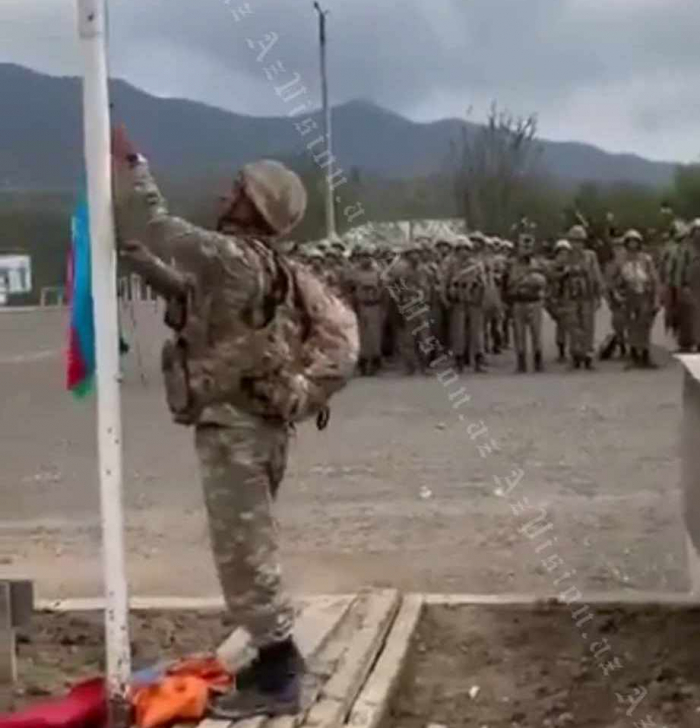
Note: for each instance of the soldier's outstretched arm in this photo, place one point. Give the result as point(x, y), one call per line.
point(141, 214)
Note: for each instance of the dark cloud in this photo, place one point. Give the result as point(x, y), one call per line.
point(619, 73)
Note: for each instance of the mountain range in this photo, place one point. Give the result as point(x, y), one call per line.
point(41, 133)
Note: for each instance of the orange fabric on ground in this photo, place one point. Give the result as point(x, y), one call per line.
point(182, 695)
point(173, 699)
point(207, 668)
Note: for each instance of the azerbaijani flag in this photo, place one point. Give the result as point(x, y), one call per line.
point(81, 342)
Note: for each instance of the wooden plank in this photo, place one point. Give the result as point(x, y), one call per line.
point(372, 703)
point(341, 690)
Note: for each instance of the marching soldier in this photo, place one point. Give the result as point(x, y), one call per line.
point(555, 298)
point(615, 297)
point(583, 288)
point(637, 280)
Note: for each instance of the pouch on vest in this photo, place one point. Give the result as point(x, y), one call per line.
point(177, 385)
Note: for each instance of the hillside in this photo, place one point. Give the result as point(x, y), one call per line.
point(42, 138)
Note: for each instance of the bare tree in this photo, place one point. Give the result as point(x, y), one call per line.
point(492, 164)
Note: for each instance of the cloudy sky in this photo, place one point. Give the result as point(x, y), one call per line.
point(621, 74)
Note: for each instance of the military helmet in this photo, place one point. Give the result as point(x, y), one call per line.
point(577, 233)
point(680, 230)
point(277, 193)
point(562, 244)
point(633, 235)
point(477, 237)
point(694, 225)
point(314, 253)
point(462, 242)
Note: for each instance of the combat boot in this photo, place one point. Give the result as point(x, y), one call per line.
point(575, 362)
point(362, 367)
point(479, 364)
point(588, 363)
point(562, 353)
point(538, 362)
point(522, 364)
point(271, 685)
point(459, 364)
point(623, 350)
point(634, 360)
point(646, 361)
point(376, 365)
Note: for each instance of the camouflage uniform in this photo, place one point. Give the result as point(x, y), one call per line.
point(582, 287)
point(493, 305)
point(231, 303)
point(525, 287)
point(555, 304)
point(480, 283)
point(410, 289)
point(637, 280)
point(615, 296)
point(368, 292)
point(687, 283)
point(455, 297)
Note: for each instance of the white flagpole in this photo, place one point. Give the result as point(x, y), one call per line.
point(92, 28)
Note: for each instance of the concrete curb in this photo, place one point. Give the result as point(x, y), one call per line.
point(214, 603)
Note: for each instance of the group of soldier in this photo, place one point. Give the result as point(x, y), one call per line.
point(472, 295)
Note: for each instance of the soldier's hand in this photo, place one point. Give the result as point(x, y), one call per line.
point(122, 148)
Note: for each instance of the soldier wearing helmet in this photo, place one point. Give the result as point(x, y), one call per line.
point(687, 284)
point(583, 289)
point(368, 302)
point(555, 304)
point(525, 288)
point(233, 302)
point(410, 290)
point(455, 297)
point(475, 278)
point(637, 280)
point(615, 297)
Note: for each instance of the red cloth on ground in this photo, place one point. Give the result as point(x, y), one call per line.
point(85, 706)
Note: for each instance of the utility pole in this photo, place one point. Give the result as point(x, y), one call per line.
point(330, 205)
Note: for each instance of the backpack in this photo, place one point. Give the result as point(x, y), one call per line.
point(282, 360)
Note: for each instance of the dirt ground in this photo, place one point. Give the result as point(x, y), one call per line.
point(516, 667)
point(58, 650)
point(394, 493)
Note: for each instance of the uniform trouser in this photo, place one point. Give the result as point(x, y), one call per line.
point(619, 319)
point(389, 329)
point(639, 318)
point(242, 466)
point(458, 329)
point(371, 323)
point(560, 335)
point(441, 324)
point(580, 326)
point(527, 317)
point(686, 316)
point(476, 330)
